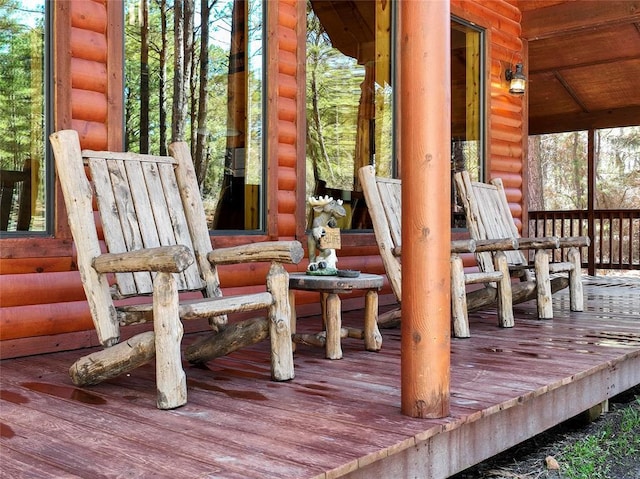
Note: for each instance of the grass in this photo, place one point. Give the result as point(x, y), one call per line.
point(595, 455)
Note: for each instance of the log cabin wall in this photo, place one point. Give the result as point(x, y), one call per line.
point(43, 306)
point(286, 128)
point(42, 303)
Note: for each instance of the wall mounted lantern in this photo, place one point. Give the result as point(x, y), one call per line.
point(518, 81)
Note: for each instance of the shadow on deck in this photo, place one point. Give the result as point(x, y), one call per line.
point(336, 418)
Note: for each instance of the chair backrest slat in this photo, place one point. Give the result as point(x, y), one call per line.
point(115, 205)
point(140, 207)
point(489, 217)
point(383, 201)
point(391, 196)
point(177, 227)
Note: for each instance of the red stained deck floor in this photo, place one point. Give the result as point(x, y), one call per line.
point(336, 417)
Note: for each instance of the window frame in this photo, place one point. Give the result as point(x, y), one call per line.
point(48, 115)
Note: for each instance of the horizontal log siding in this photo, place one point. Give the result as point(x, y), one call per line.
point(42, 296)
point(286, 99)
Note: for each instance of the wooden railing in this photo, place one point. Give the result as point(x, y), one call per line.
point(614, 234)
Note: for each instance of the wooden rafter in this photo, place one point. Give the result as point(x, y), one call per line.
point(576, 16)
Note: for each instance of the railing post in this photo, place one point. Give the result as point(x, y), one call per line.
point(591, 202)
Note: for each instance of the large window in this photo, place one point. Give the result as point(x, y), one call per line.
point(349, 99)
point(210, 94)
point(467, 106)
point(24, 185)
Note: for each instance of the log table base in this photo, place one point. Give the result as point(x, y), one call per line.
point(329, 288)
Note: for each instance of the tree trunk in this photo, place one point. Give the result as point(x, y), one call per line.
point(163, 79)
point(179, 91)
point(144, 78)
point(536, 192)
point(183, 46)
point(199, 158)
point(318, 126)
point(577, 172)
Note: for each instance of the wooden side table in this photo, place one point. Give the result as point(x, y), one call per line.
point(329, 288)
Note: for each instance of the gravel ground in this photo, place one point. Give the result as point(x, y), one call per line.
point(529, 459)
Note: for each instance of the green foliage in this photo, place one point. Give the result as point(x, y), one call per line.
point(586, 459)
point(21, 88)
point(593, 456)
point(217, 129)
point(22, 102)
point(334, 83)
point(336, 96)
point(618, 168)
point(563, 159)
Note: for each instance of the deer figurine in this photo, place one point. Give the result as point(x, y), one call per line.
point(326, 213)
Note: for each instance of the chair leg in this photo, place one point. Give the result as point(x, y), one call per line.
point(505, 299)
point(293, 323)
point(171, 381)
point(372, 336)
point(280, 324)
point(334, 326)
point(543, 285)
point(459, 314)
point(576, 295)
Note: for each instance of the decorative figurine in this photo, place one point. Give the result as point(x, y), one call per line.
point(324, 238)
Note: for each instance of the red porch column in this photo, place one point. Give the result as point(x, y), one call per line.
point(425, 137)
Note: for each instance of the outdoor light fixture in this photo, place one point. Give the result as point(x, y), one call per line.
point(517, 80)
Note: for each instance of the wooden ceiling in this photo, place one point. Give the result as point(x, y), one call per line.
point(584, 63)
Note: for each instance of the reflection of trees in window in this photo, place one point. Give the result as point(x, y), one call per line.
point(208, 93)
point(349, 113)
point(22, 165)
point(467, 142)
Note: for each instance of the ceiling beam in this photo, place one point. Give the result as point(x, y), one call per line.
point(577, 16)
point(572, 93)
point(566, 66)
point(627, 116)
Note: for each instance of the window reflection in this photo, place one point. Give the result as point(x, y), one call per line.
point(22, 149)
point(349, 99)
point(467, 116)
point(222, 114)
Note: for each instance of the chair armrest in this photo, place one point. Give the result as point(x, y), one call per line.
point(457, 246)
point(501, 244)
point(547, 242)
point(463, 246)
point(280, 251)
point(168, 259)
point(577, 241)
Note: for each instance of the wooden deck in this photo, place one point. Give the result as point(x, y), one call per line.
point(336, 418)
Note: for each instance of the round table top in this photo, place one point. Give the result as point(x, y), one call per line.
point(312, 282)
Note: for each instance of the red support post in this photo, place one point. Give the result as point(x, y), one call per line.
point(425, 143)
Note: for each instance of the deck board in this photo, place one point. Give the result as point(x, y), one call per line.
point(336, 418)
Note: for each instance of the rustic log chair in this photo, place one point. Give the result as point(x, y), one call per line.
point(489, 216)
point(158, 243)
point(383, 197)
